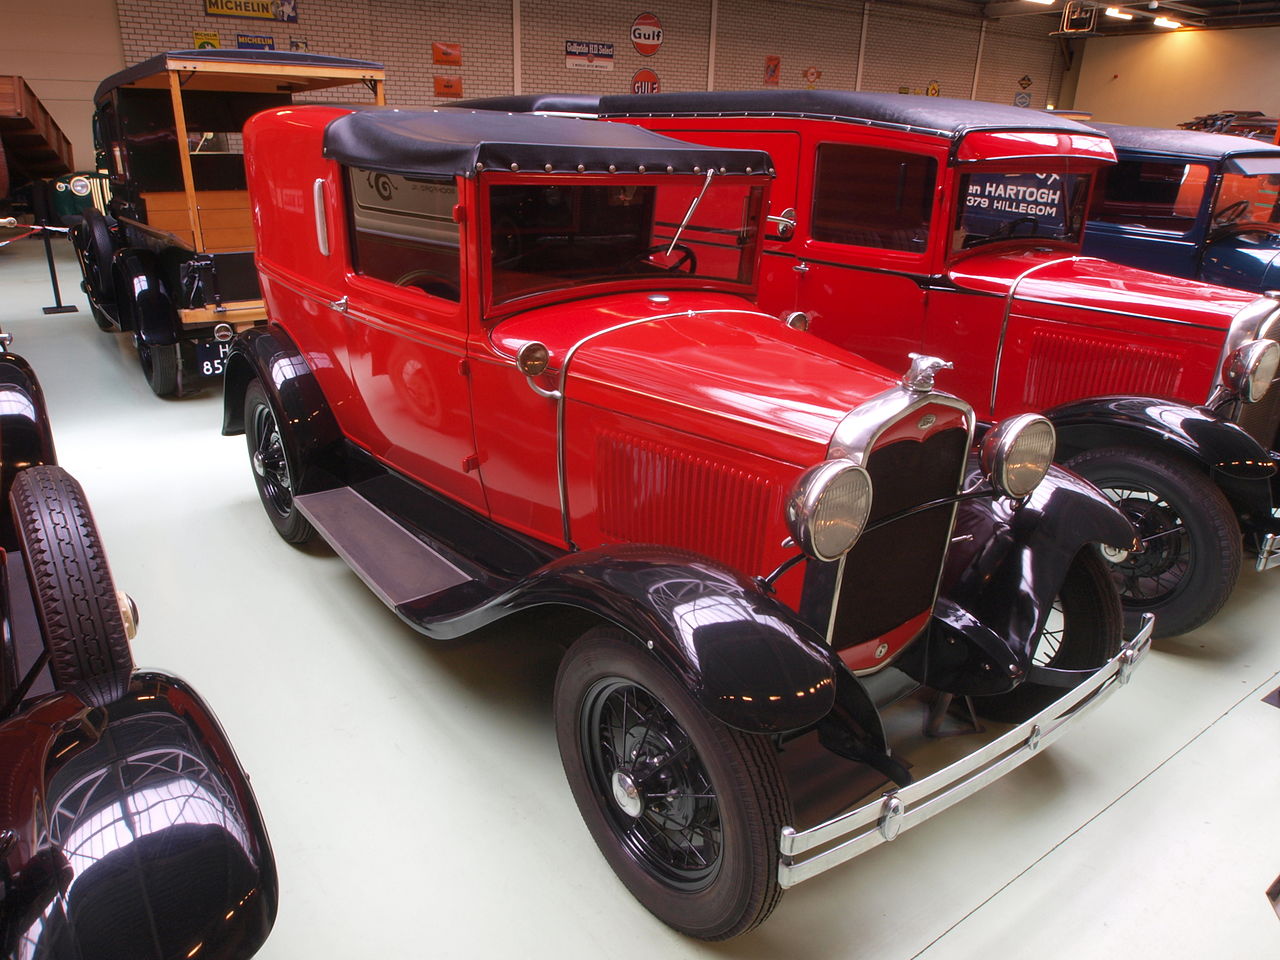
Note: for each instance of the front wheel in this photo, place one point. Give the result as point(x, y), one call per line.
point(160, 365)
point(81, 615)
point(687, 811)
point(1191, 539)
point(1084, 629)
point(275, 464)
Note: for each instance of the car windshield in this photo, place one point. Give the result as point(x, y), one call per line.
point(1247, 199)
point(1001, 206)
point(551, 236)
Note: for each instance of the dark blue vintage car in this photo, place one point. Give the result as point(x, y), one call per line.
point(1192, 204)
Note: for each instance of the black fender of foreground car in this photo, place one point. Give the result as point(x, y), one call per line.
point(191, 875)
point(1237, 463)
point(143, 304)
point(747, 658)
point(1007, 563)
point(270, 355)
point(26, 439)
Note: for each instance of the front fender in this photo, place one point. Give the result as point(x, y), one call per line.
point(1238, 464)
point(270, 355)
point(1007, 562)
point(745, 657)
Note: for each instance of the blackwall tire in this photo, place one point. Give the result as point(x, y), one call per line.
point(79, 609)
point(94, 248)
point(1085, 629)
point(161, 365)
point(274, 461)
point(1193, 545)
point(700, 851)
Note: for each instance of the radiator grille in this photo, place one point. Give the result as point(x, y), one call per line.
point(1260, 420)
point(1067, 367)
point(654, 493)
point(891, 573)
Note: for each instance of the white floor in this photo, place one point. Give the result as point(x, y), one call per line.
point(414, 795)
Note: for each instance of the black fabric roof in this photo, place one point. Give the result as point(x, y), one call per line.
point(1184, 143)
point(452, 142)
point(156, 64)
point(936, 115)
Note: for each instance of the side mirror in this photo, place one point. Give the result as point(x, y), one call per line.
point(783, 225)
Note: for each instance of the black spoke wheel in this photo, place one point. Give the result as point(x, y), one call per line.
point(79, 610)
point(275, 464)
point(1191, 539)
point(687, 811)
point(1084, 630)
point(160, 363)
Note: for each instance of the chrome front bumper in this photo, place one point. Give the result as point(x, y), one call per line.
point(881, 820)
point(1269, 552)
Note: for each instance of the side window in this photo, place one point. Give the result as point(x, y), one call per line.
point(1157, 195)
point(871, 197)
point(403, 231)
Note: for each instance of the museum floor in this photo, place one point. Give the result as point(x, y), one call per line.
point(414, 794)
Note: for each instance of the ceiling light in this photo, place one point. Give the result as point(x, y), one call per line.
point(1045, 2)
point(1166, 23)
point(1118, 13)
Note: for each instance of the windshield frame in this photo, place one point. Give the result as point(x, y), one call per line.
point(493, 308)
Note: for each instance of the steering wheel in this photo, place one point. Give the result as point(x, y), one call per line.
point(428, 282)
point(1231, 212)
point(686, 256)
point(1006, 229)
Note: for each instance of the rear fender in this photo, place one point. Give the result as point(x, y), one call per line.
point(1007, 562)
point(270, 355)
point(26, 439)
point(144, 303)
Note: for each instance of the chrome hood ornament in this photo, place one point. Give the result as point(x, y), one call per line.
point(919, 377)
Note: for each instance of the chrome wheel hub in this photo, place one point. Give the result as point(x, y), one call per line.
point(259, 467)
point(627, 795)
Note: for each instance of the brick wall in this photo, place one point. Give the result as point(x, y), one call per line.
point(909, 43)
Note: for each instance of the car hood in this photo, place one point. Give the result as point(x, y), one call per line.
point(706, 363)
point(1245, 258)
point(1059, 277)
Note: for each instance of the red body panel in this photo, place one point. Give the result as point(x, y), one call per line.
point(1077, 327)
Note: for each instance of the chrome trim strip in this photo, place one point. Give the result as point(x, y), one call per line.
point(1111, 311)
point(883, 819)
point(1008, 310)
point(561, 401)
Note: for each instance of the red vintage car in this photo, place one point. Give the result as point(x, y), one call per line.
point(512, 367)
point(953, 228)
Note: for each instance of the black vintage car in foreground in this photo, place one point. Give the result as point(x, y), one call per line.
point(127, 828)
point(512, 369)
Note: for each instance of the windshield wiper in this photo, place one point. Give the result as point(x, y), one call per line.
point(689, 213)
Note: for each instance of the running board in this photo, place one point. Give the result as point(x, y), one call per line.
point(396, 565)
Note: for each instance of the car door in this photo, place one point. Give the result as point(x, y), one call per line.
point(406, 318)
point(863, 244)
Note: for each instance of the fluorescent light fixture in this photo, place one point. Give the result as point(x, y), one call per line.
point(1166, 23)
point(1118, 13)
point(1045, 2)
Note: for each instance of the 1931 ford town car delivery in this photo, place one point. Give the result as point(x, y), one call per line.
point(512, 365)
point(953, 228)
point(172, 261)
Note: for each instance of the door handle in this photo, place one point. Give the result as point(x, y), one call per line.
point(801, 267)
point(339, 305)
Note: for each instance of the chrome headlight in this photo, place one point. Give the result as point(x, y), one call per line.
point(828, 508)
point(1017, 452)
point(1251, 368)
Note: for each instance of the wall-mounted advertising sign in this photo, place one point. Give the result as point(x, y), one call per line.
point(206, 39)
point(645, 81)
point(772, 68)
point(254, 41)
point(286, 11)
point(448, 86)
point(588, 55)
point(449, 54)
point(646, 34)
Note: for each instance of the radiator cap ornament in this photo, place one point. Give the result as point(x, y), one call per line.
point(919, 377)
